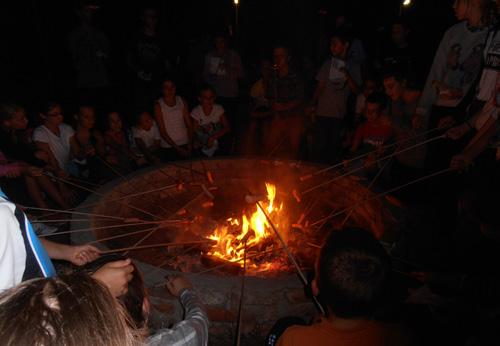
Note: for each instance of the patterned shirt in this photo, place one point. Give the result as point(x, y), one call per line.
point(192, 331)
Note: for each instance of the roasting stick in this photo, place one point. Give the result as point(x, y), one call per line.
point(278, 146)
point(123, 235)
point(383, 194)
point(184, 207)
point(290, 256)
point(91, 229)
point(381, 170)
point(242, 295)
point(142, 247)
point(325, 220)
point(378, 160)
point(324, 170)
point(124, 219)
point(102, 195)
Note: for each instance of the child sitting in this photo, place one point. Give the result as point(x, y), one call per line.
point(210, 123)
point(146, 137)
point(376, 131)
point(118, 152)
point(352, 275)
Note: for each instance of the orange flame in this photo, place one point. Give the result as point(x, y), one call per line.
point(254, 230)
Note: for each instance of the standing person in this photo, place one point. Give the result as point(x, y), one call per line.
point(455, 69)
point(399, 55)
point(338, 78)
point(223, 69)
point(174, 123)
point(286, 94)
point(89, 47)
point(210, 124)
point(147, 60)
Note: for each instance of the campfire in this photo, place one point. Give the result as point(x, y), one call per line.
point(251, 233)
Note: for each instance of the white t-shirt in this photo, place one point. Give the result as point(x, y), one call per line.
point(12, 250)
point(148, 137)
point(59, 145)
point(206, 121)
point(173, 120)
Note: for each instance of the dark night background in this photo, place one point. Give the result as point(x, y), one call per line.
point(35, 63)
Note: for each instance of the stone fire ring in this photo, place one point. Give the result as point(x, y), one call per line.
point(266, 299)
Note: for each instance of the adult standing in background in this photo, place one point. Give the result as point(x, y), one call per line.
point(147, 61)
point(89, 48)
point(286, 93)
point(223, 69)
point(453, 74)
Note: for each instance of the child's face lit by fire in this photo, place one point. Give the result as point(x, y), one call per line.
point(54, 116)
point(393, 88)
point(115, 122)
point(145, 121)
point(372, 111)
point(207, 99)
point(86, 117)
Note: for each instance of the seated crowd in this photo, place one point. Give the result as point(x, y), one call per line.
point(437, 283)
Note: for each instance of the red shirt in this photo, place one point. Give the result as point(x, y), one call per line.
point(373, 133)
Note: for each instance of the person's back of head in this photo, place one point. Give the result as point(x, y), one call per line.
point(65, 310)
point(353, 270)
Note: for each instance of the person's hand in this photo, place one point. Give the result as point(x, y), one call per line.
point(82, 254)
point(458, 132)
point(446, 122)
point(15, 172)
point(112, 160)
point(140, 161)
point(116, 276)
point(182, 152)
point(32, 171)
point(417, 122)
point(210, 142)
point(460, 162)
point(67, 194)
point(177, 284)
point(60, 173)
point(90, 151)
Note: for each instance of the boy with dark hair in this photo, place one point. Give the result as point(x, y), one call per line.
point(352, 275)
point(377, 129)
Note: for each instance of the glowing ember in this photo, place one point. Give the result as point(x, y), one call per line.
point(254, 230)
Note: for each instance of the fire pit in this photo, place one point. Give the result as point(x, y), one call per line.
point(210, 210)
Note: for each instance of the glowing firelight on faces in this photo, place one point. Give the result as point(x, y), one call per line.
point(254, 229)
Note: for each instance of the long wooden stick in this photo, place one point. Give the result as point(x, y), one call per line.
point(371, 164)
point(397, 188)
point(102, 195)
point(381, 170)
point(291, 257)
point(142, 247)
point(76, 213)
point(242, 295)
point(184, 207)
point(124, 235)
point(324, 170)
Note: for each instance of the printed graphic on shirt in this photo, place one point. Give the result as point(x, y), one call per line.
point(492, 60)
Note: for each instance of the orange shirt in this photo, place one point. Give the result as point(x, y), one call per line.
point(369, 333)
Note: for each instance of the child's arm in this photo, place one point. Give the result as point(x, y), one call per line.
point(225, 129)
point(163, 130)
point(189, 124)
point(358, 137)
point(53, 164)
point(76, 149)
point(144, 149)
